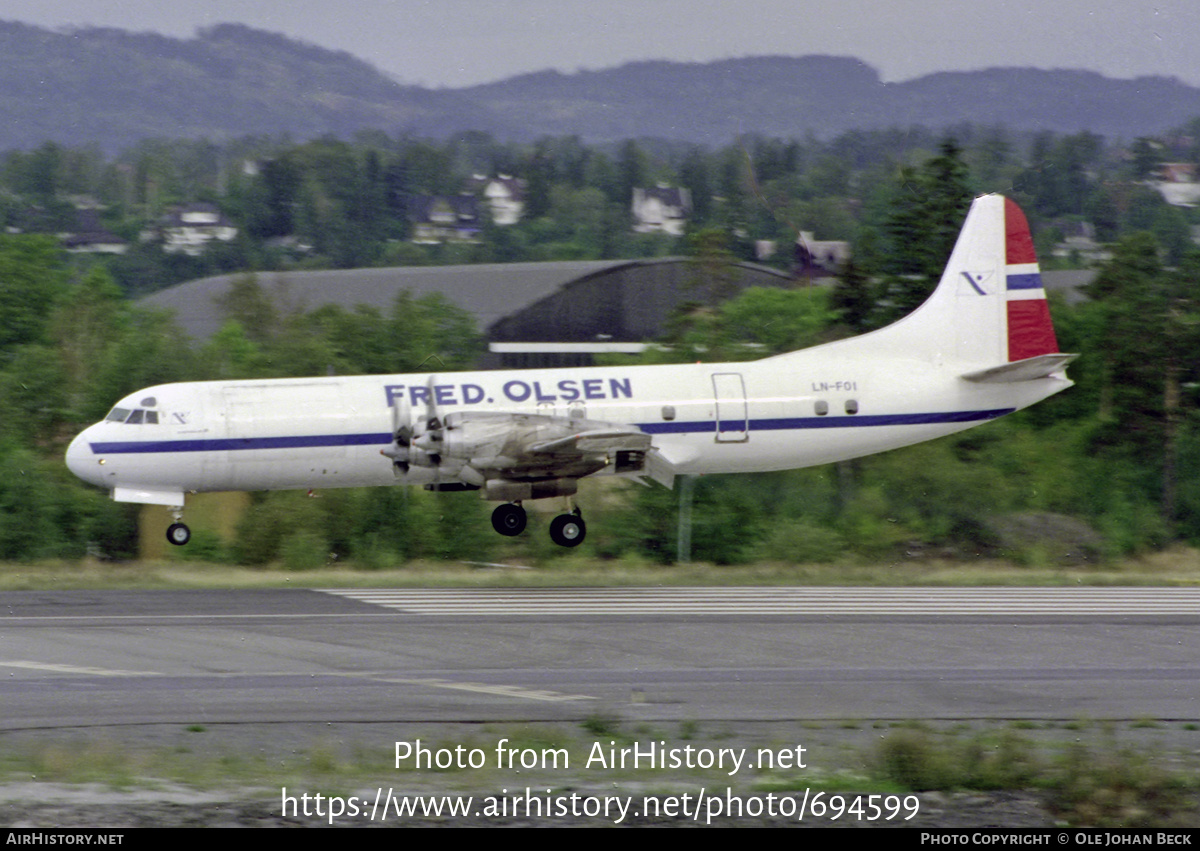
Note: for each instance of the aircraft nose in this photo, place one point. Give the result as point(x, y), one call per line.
point(82, 461)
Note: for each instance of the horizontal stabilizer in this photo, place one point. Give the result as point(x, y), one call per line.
point(1029, 369)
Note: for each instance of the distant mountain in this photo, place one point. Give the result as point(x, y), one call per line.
point(825, 95)
point(112, 88)
point(710, 102)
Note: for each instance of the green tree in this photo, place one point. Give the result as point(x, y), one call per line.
point(84, 325)
point(1148, 334)
point(1146, 157)
point(33, 394)
point(634, 169)
point(231, 354)
point(1057, 181)
point(694, 176)
point(774, 320)
point(249, 305)
point(32, 277)
point(926, 212)
point(853, 297)
point(27, 530)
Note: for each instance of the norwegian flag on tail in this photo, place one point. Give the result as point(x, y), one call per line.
point(1030, 331)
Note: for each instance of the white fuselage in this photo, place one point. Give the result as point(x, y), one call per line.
point(790, 411)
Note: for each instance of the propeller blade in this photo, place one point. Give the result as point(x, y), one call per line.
point(402, 433)
point(433, 420)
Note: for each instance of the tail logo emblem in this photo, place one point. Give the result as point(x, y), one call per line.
point(975, 279)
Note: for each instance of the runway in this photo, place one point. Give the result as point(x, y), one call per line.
point(77, 659)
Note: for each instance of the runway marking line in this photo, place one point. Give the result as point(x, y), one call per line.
point(684, 600)
point(73, 669)
point(481, 688)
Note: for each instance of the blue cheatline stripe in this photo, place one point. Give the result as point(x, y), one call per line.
point(1032, 281)
point(696, 427)
point(849, 421)
point(231, 444)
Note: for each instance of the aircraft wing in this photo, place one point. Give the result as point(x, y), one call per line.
point(595, 440)
point(481, 447)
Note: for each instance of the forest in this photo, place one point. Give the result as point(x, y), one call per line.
point(1110, 467)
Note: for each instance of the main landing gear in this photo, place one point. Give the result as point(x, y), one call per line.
point(566, 530)
point(509, 519)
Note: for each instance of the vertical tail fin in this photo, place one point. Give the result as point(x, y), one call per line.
point(988, 310)
point(988, 316)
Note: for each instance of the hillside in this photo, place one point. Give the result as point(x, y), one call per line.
point(827, 95)
point(112, 88)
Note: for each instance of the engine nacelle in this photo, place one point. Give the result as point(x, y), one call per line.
point(463, 438)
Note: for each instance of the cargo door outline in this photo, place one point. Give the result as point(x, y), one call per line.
point(732, 414)
point(257, 416)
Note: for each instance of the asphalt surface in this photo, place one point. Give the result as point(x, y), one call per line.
point(282, 675)
point(86, 659)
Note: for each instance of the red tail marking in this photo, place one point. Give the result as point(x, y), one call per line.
point(1018, 241)
point(1030, 331)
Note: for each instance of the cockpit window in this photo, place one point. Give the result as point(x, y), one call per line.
point(135, 417)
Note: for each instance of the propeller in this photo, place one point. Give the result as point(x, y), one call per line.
point(416, 442)
point(431, 428)
point(402, 434)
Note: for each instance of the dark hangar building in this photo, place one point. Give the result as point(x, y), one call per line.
point(531, 314)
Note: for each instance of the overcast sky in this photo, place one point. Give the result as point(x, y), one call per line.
point(462, 42)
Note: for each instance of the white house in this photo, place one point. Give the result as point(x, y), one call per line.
point(189, 229)
point(1177, 184)
point(504, 196)
point(663, 209)
point(90, 236)
point(444, 218)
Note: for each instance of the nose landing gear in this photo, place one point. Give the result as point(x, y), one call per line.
point(178, 533)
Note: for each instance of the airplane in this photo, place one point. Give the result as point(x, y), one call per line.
point(982, 346)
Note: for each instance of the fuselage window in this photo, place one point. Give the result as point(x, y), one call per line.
point(822, 408)
point(851, 406)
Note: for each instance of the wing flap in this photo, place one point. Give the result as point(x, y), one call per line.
point(595, 440)
point(660, 469)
